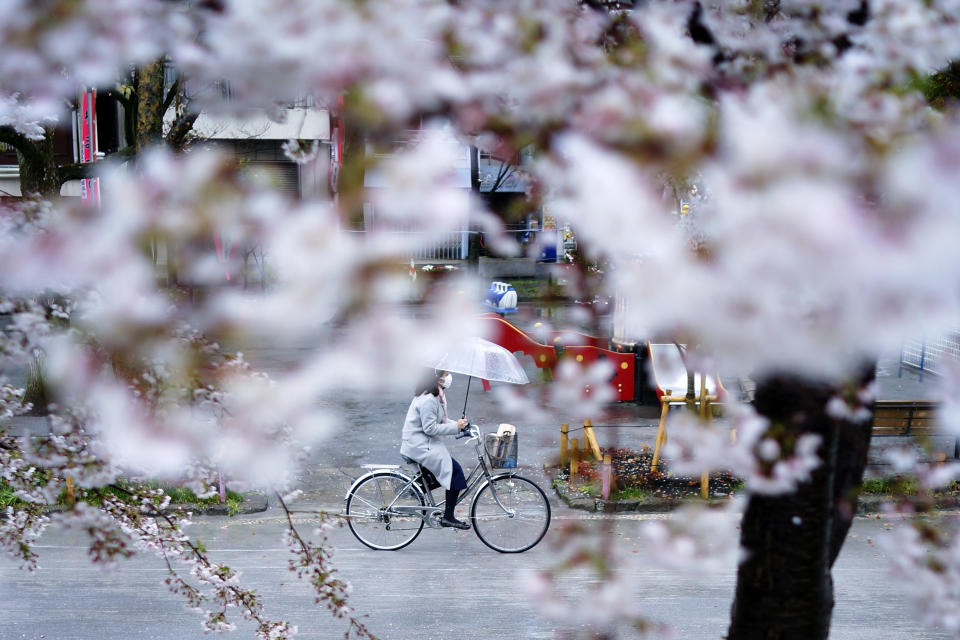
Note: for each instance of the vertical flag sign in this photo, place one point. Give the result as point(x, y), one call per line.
point(89, 187)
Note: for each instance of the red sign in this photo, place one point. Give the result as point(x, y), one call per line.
point(89, 187)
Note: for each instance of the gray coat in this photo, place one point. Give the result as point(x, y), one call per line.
point(422, 429)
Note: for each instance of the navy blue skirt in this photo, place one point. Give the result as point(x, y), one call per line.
point(457, 481)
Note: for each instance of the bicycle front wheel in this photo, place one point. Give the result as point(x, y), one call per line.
point(372, 514)
point(510, 514)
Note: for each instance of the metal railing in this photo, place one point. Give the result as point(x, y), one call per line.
point(425, 245)
point(931, 355)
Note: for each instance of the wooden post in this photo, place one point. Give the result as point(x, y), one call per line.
point(607, 471)
point(574, 458)
point(590, 440)
point(705, 476)
point(661, 430)
point(71, 495)
point(564, 453)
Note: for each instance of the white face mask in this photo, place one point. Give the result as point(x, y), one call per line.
point(446, 381)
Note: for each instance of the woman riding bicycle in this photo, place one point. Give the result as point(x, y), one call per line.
point(426, 421)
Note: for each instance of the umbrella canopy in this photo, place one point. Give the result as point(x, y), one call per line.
point(483, 359)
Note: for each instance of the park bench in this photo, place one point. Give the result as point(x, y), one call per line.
point(905, 418)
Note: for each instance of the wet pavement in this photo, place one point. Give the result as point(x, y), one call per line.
point(447, 584)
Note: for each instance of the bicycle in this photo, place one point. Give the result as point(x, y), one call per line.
point(386, 508)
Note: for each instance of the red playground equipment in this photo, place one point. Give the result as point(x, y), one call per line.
point(583, 348)
point(664, 362)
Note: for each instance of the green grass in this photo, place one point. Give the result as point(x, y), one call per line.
point(590, 488)
point(7, 498)
point(632, 493)
point(894, 485)
point(529, 288)
point(178, 495)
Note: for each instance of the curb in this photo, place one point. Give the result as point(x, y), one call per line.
point(866, 504)
point(586, 503)
point(252, 503)
point(872, 503)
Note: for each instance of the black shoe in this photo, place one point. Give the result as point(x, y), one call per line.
point(453, 522)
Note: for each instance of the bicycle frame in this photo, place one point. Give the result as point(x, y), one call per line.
point(480, 476)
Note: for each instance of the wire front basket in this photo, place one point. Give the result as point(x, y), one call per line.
point(502, 450)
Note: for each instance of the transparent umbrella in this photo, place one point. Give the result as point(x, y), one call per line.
point(479, 358)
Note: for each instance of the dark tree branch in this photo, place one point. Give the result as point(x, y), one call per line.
point(127, 97)
point(172, 94)
point(74, 171)
point(502, 174)
point(81, 170)
point(20, 142)
point(181, 128)
point(126, 101)
point(699, 32)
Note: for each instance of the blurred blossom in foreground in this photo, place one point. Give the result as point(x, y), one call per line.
point(925, 560)
point(768, 464)
point(612, 606)
point(948, 413)
point(55, 46)
point(581, 391)
point(695, 539)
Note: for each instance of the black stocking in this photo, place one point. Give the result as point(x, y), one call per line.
point(451, 502)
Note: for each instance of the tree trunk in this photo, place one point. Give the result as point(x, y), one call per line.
point(150, 97)
point(38, 171)
point(351, 192)
point(784, 587)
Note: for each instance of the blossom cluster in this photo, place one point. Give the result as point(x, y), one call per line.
point(768, 462)
point(925, 558)
point(54, 47)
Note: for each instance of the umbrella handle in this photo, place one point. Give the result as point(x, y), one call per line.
point(464, 414)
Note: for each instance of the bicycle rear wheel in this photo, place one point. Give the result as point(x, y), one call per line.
point(371, 512)
point(522, 520)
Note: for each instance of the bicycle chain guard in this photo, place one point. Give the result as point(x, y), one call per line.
point(433, 518)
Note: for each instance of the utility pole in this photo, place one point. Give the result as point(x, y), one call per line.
point(473, 236)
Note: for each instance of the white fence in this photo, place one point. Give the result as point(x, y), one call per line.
point(931, 354)
point(423, 245)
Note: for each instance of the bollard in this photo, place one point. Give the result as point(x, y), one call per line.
point(607, 471)
point(71, 495)
point(704, 477)
point(574, 458)
point(661, 430)
point(564, 453)
point(590, 440)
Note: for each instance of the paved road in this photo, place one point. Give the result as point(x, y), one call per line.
point(445, 585)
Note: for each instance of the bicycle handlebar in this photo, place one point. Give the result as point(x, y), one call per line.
point(467, 432)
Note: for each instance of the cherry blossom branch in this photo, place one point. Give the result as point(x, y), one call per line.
point(222, 579)
point(314, 561)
